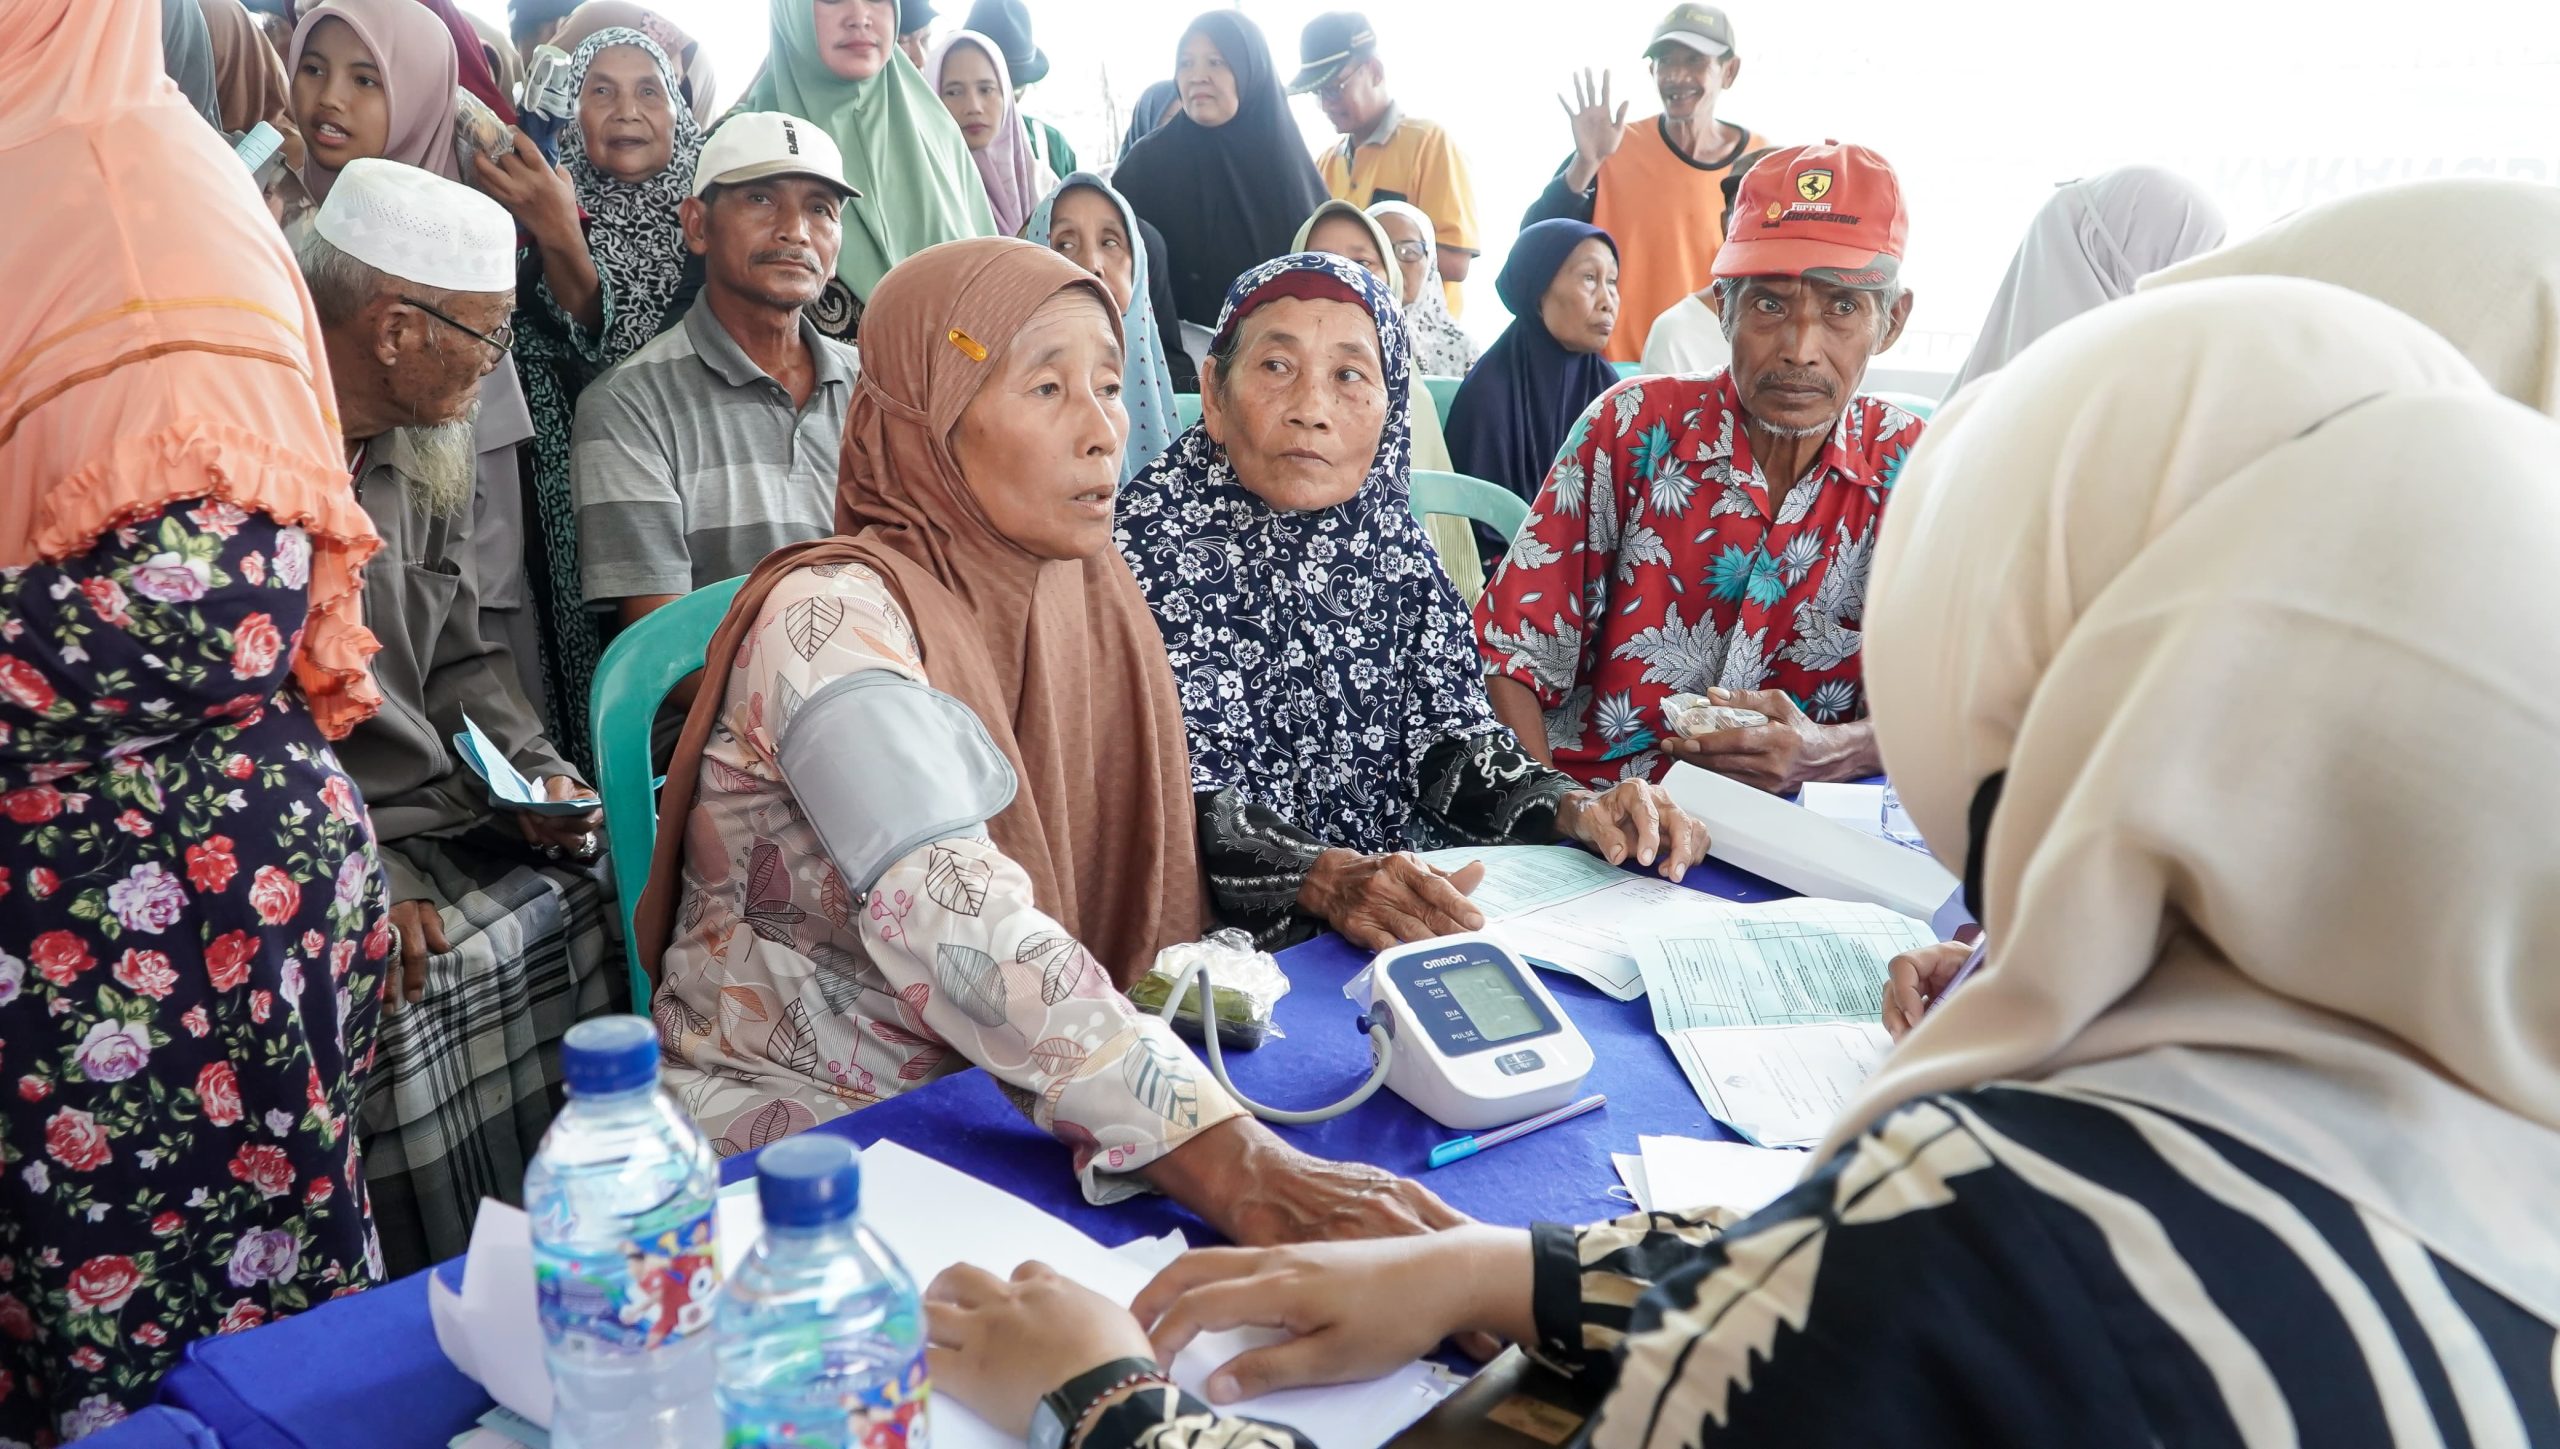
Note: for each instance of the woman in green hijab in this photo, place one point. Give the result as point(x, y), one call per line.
point(835, 64)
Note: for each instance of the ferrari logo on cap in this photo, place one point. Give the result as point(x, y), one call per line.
point(1813, 185)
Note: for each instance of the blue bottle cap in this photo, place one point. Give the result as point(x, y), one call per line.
point(609, 1054)
point(809, 1181)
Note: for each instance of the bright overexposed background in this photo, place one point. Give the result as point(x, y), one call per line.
point(1982, 105)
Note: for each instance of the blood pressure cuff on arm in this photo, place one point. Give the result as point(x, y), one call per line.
point(884, 766)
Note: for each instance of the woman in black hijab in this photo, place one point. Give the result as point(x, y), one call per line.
point(1228, 180)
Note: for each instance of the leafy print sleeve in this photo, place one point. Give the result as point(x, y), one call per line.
point(1587, 1280)
point(1162, 1417)
point(979, 972)
point(1533, 623)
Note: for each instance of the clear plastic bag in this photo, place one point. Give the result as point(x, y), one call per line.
point(1249, 985)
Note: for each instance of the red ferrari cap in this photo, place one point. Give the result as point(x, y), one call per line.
point(1831, 209)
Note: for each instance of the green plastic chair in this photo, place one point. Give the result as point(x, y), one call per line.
point(1186, 410)
point(1444, 391)
point(642, 665)
point(1629, 369)
point(1457, 495)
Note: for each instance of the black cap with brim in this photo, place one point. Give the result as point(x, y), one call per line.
point(1008, 24)
point(1331, 41)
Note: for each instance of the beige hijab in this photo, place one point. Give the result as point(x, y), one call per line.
point(2475, 259)
point(2183, 579)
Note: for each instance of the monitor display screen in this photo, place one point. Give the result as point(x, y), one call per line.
point(1495, 1006)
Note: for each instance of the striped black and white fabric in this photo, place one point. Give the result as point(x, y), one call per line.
point(466, 1080)
point(2017, 1266)
point(2032, 1265)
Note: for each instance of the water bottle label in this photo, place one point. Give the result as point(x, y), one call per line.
point(887, 1415)
point(659, 1292)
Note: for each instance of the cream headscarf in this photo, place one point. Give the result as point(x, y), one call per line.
point(1441, 347)
point(1453, 540)
point(2477, 260)
point(2176, 582)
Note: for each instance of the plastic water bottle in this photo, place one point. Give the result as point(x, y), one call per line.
point(821, 1331)
point(620, 1195)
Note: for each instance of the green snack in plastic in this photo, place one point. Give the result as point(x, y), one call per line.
point(1240, 1026)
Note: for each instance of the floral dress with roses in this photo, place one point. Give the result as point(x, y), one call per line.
point(192, 939)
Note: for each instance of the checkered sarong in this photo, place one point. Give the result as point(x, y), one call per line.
point(468, 1078)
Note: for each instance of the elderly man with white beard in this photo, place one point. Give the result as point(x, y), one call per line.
point(503, 934)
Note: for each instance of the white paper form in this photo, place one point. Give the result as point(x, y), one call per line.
point(1771, 1009)
point(1780, 1086)
point(1783, 963)
point(1523, 878)
point(1687, 1172)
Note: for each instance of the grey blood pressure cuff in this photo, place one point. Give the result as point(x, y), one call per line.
point(884, 766)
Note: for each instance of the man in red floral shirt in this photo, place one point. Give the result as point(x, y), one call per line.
point(1661, 558)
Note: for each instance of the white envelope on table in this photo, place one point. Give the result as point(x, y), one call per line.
point(1805, 852)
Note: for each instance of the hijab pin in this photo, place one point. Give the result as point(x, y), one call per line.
point(976, 350)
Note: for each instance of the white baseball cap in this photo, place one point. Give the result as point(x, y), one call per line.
point(419, 227)
point(756, 145)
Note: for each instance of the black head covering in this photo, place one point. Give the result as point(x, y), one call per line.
point(1153, 103)
point(1228, 197)
point(1513, 411)
point(1008, 24)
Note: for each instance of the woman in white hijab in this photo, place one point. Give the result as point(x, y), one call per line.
point(2092, 240)
point(2249, 1132)
point(1441, 348)
point(2477, 260)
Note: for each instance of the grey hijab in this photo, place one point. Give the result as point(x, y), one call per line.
point(186, 52)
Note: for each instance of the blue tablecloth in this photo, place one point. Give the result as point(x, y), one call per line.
point(365, 1370)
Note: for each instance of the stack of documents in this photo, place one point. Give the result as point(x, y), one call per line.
point(1771, 1010)
point(932, 1217)
point(1565, 909)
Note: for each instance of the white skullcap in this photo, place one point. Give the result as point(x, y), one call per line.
point(419, 227)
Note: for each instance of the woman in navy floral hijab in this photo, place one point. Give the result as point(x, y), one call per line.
point(1334, 698)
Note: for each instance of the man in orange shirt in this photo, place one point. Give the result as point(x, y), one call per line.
point(1655, 185)
point(1385, 155)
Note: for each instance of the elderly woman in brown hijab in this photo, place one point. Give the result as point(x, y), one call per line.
point(934, 806)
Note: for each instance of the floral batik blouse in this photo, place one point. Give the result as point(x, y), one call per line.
point(786, 1000)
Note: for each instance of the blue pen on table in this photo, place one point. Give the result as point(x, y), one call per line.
point(1465, 1147)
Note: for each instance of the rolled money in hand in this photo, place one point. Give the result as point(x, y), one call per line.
point(1692, 715)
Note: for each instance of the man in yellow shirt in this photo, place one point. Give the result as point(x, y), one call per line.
point(1385, 155)
point(1654, 184)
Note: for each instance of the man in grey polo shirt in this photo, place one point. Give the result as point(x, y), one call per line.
point(716, 443)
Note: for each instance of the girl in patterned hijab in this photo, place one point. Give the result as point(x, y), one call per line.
point(1333, 696)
